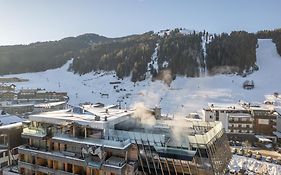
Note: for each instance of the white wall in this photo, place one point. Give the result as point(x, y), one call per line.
point(210, 116)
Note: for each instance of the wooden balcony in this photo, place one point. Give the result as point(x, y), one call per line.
point(55, 155)
point(42, 169)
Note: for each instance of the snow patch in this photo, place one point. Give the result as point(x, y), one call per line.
point(153, 64)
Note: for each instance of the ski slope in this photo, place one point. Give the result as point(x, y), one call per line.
point(184, 95)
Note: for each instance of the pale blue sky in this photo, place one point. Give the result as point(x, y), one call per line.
point(25, 21)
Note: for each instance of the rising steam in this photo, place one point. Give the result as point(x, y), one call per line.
point(143, 114)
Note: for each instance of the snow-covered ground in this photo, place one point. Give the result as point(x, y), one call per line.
point(184, 95)
point(254, 166)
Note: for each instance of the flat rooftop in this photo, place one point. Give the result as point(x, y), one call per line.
point(259, 108)
point(49, 104)
point(225, 106)
point(90, 116)
point(7, 119)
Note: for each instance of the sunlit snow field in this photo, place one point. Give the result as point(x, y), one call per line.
point(184, 94)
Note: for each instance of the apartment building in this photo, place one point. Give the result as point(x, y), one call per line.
point(234, 117)
point(243, 120)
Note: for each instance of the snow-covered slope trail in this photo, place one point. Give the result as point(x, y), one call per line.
point(184, 94)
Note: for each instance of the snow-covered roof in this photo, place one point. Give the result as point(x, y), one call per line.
point(95, 117)
point(278, 110)
point(277, 134)
point(225, 106)
point(262, 138)
point(18, 105)
point(51, 104)
point(11, 126)
point(7, 119)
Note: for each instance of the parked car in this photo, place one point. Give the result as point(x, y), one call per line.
point(278, 161)
point(268, 159)
point(241, 152)
point(231, 143)
point(233, 150)
point(258, 156)
point(232, 172)
point(237, 143)
point(249, 154)
point(242, 172)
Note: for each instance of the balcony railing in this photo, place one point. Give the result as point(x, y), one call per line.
point(115, 164)
point(33, 132)
point(68, 138)
point(42, 169)
point(54, 155)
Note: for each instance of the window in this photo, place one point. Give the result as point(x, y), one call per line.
point(4, 164)
point(217, 118)
point(263, 121)
point(217, 113)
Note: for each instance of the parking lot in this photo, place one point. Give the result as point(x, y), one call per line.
point(254, 161)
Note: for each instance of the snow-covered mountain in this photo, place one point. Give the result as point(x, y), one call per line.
point(182, 96)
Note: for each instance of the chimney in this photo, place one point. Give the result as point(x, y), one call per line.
point(157, 112)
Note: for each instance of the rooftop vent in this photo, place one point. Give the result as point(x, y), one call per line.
point(97, 118)
point(78, 110)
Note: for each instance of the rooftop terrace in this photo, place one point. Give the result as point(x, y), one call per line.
point(90, 116)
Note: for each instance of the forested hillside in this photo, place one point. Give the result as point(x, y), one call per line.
point(41, 56)
point(182, 52)
point(185, 53)
point(231, 53)
point(126, 56)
